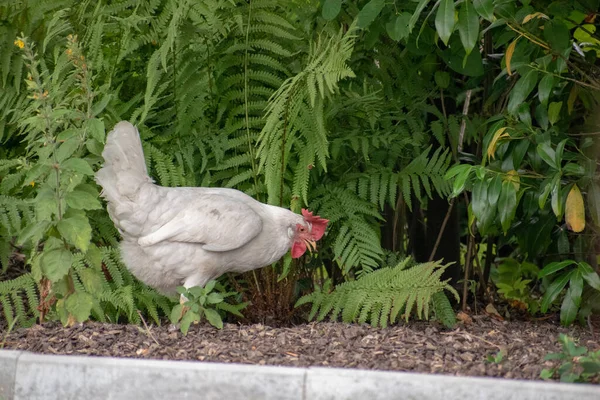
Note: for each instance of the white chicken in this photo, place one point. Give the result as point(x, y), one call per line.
point(187, 236)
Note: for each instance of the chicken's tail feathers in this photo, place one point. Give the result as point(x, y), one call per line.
point(124, 169)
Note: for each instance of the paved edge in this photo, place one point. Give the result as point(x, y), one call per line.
point(25, 375)
point(8, 372)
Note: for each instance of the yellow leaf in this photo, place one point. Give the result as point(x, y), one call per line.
point(534, 15)
point(575, 211)
point(509, 53)
point(499, 134)
point(513, 176)
point(572, 97)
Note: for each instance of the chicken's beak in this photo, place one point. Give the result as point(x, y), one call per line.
point(311, 244)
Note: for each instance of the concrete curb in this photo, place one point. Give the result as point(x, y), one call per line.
point(30, 376)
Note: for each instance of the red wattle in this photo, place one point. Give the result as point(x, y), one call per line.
point(298, 248)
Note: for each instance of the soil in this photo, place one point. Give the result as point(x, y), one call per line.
point(418, 346)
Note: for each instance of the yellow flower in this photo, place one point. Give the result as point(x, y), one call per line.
point(69, 52)
point(32, 183)
point(19, 43)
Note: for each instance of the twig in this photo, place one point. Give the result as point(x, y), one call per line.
point(147, 328)
point(463, 124)
point(470, 335)
point(443, 104)
point(442, 228)
point(466, 277)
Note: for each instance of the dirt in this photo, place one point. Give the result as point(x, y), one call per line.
point(417, 347)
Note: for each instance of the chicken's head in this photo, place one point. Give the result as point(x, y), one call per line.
point(307, 233)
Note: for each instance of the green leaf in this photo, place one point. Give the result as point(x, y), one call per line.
point(36, 172)
point(66, 149)
point(507, 205)
point(56, 263)
point(554, 290)
point(519, 151)
point(468, 26)
point(556, 200)
point(541, 116)
point(554, 267)
point(94, 256)
point(479, 200)
point(214, 318)
point(99, 106)
point(554, 112)
point(397, 29)
point(76, 230)
point(210, 285)
point(547, 153)
point(576, 287)
point(369, 12)
point(590, 276)
point(81, 200)
point(94, 147)
point(214, 298)
point(92, 280)
point(546, 374)
point(176, 313)
point(415, 17)
point(79, 304)
point(590, 366)
point(442, 79)
point(569, 377)
point(196, 291)
point(522, 90)
point(45, 203)
point(544, 195)
point(444, 20)
point(331, 9)
point(77, 165)
point(187, 320)
point(485, 8)
point(545, 88)
point(96, 129)
point(572, 300)
point(574, 170)
point(494, 190)
point(67, 134)
point(557, 35)
point(461, 180)
point(33, 232)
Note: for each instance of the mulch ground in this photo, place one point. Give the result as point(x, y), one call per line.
point(417, 347)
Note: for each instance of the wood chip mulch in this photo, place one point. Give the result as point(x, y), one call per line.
point(417, 347)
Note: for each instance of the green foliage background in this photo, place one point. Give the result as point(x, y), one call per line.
point(353, 109)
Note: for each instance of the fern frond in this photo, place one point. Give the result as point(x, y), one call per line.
point(380, 296)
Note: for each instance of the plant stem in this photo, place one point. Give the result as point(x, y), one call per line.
point(466, 276)
point(246, 111)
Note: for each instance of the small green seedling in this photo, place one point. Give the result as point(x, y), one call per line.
point(578, 365)
point(496, 358)
point(203, 302)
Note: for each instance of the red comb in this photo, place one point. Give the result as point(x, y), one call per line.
point(318, 224)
